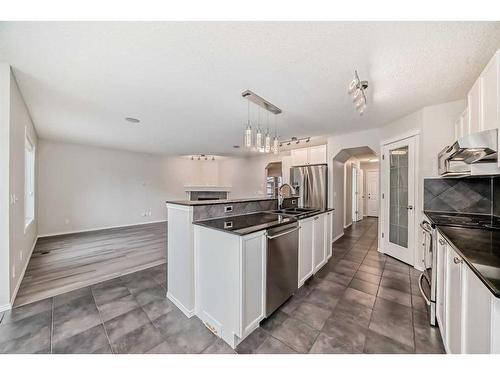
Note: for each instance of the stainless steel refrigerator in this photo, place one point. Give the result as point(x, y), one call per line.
point(311, 185)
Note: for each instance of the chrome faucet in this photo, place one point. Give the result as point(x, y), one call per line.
point(280, 194)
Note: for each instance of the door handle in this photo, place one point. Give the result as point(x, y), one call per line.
point(457, 260)
point(282, 233)
point(441, 241)
point(410, 207)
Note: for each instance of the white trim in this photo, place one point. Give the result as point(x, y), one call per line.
point(336, 238)
point(21, 276)
point(186, 311)
point(6, 307)
point(408, 134)
point(347, 226)
point(100, 228)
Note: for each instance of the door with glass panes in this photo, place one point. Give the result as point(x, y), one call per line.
point(399, 199)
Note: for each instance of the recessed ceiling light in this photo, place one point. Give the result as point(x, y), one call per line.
point(132, 120)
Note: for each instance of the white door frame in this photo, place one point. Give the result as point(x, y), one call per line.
point(354, 190)
point(383, 193)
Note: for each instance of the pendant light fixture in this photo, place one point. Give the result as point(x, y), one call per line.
point(357, 91)
point(275, 140)
point(248, 130)
point(261, 142)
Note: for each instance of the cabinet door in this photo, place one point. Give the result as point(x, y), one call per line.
point(253, 287)
point(317, 154)
point(458, 129)
point(441, 286)
point(299, 156)
point(490, 81)
point(474, 108)
point(477, 315)
point(319, 254)
point(454, 302)
point(329, 222)
point(305, 250)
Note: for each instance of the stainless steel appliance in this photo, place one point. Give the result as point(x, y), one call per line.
point(282, 265)
point(480, 147)
point(427, 279)
point(310, 184)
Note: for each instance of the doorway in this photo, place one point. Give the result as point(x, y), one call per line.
point(372, 201)
point(398, 195)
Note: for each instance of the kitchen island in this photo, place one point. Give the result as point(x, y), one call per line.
point(218, 266)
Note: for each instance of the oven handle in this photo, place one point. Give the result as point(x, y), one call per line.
point(281, 233)
point(421, 289)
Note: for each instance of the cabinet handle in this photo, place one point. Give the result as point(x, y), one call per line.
point(457, 260)
point(441, 241)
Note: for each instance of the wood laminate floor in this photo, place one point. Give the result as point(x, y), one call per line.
point(60, 264)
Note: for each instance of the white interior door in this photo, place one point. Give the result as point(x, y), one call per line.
point(399, 199)
point(361, 194)
point(372, 192)
point(355, 193)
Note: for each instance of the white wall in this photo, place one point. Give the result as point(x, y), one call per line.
point(4, 186)
point(84, 187)
point(16, 241)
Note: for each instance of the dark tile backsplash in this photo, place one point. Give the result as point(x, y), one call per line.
point(496, 196)
point(211, 211)
point(472, 195)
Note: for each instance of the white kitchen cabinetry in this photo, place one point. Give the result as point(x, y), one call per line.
point(309, 155)
point(231, 282)
point(305, 250)
point(329, 231)
point(319, 242)
point(468, 314)
point(461, 125)
point(453, 301)
point(490, 98)
point(474, 108)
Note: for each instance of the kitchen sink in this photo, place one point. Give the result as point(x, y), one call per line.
point(295, 211)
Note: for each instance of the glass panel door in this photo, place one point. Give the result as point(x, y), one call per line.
point(398, 196)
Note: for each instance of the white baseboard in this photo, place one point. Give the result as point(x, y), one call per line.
point(100, 228)
point(348, 225)
point(28, 257)
point(186, 311)
point(5, 307)
point(336, 238)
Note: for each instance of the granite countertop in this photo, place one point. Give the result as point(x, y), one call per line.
point(479, 248)
point(224, 201)
point(246, 224)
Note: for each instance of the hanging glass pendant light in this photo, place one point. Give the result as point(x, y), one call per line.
point(267, 138)
point(258, 136)
point(248, 130)
point(275, 140)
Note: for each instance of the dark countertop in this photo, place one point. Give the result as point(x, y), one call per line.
point(311, 214)
point(219, 201)
point(246, 224)
point(479, 248)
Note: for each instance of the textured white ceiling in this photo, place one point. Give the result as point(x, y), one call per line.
point(184, 80)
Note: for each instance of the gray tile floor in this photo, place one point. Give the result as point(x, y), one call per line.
point(360, 302)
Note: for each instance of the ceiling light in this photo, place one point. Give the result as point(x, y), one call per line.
point(357, 89)
point(132, 120)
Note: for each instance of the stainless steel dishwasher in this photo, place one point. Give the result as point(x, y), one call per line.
point(282, 265)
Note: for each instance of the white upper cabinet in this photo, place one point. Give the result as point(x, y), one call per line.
point(309, 155)
point(489, 93)
point(483, 100)
point(474, 108)
point(300, 156)
point(317, 154)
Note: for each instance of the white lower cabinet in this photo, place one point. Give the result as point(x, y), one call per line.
point(315, 244)
point(329, 237)
point(305, 250)
point(453, 302)
point(468, 314)
point(319, 242)
point(231, 282)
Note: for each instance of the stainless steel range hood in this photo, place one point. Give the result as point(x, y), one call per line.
point(481, 147)
point(478, 147)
